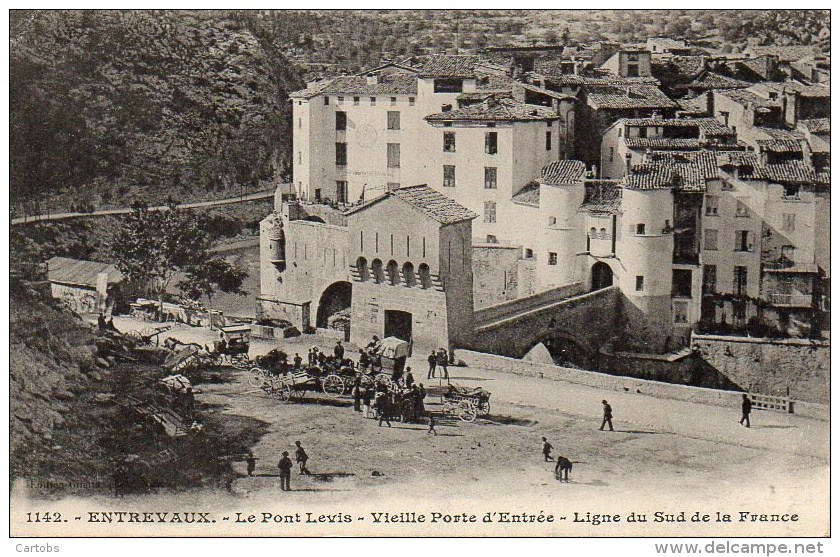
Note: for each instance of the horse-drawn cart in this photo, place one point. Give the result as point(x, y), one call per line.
point(466, 403)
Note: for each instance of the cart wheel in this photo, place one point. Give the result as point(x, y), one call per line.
point(240, 361)
point(484, 408)
point(366, 381)
point(466, 411)
point(135, 336)
point(284, 393)
point(383, 379)
point(256, 377)
point(333, 386)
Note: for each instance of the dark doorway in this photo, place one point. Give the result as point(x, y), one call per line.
point(567, 353)
point(334, 307)
point(398, 324)
point(602, 276)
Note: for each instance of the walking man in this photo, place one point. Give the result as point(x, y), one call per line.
point(562, 468)
point(301, 457)
point(251, 461)
point(432, 364)
point(431, 426)
point(442, 361)
point(607, 415)
point(357, 395)
point(285, 466)
point(366, 395)
point(547, 449)
point(746, 408)
point(381, 408)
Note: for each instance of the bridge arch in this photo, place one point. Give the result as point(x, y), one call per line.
point(335, 298)
point(566, 349)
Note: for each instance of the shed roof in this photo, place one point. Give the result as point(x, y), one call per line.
point(79, 272)
point(562, 172)
point(431, 202)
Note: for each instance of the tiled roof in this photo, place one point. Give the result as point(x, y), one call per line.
point(780, 145)
point(433, 203)
point(561, 79)
point(661, 143)
point(562, 172)
point(785, 53)
point(682, 66)
point(386, 84)
point(79, 272)
point(497, 110)
point(629, 97)
point(529, 195)
point(712, 80)
point(817, 125)
point(544, 91)
point(779, 133)
point(808, 91)
point(745, 97)
point(447, 65)
point(791, 172)
point(710, 126)
point(695, 105)
point(749, 167)
point(482, 95)
point(602, 196)
point(758, 66)
point(682, 171)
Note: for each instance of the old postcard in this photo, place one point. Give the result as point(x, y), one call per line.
point(419, 273)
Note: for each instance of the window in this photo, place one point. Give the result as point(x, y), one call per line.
point(712, 202)
point(356, 101)
point(393, 155)
point(300, 123)
point(317, 193)
point(373, 101)
point(491, 239)
point(449, 85)
point(393, 120)
point(340, 120)
point(448, 175)
point(409, 278)
point(791, 191)
point(376, 271)
point(449, 142)
point(741, 209)
point(632, 70)
point(393, 186)
point(612, 154)
point(300, 157)
point(552, 221)
point(642, 132)
point(340, 100)
point(491, 143)
point(788, 222)
point(341, 154)
point(393, 101)
point(619, 131)
point(548, 141)
point(709, 279)
point(341, 191)
point(710, 239)
point(640, 229)
point(680, 311)
point(362, 269)
point(739, 282)
point(788, 253)
point(593, 233)
point(489, 211)
point(602, 234)
point(410, 101)
point(392, 271)
point(490, 178)
point(425, 276)
point(640, 283)
point(529, 253)
point(552, 258)
point(743, 240)
point(326, 101)
point(681, 283)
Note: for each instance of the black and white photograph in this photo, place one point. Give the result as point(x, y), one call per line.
point(453, 273)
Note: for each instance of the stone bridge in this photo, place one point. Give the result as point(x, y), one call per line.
point(563, 315)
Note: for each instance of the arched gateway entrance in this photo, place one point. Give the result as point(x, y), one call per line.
point(602, 276)
point(334, 307)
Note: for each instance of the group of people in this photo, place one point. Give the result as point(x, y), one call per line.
point(563, 465)
point(403, 401)
point(105, 325)
point(284, 466)
point(440, 358)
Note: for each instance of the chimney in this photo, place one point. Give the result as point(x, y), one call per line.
point(710, 103)
point(806, 152)
point(762, 156)
point(791, 115)
point(628, 158)
point(372, 80)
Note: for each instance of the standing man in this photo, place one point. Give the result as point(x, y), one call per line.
point(298, 361)
point(251, 461)
point(442, 361)
point(301, 457)
point(382, 408)
point(563, 467)
point(607, 416)
point(547, 449)
point(338, 351)
point(432, 364)
point(285, 466)
point(409, 378)
point(357, 395)
point(431, 426)
point(746, 408)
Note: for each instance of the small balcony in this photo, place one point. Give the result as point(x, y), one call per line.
point(790, 300)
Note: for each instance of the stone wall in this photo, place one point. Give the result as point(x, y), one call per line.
point(495, 274)
point(770, 366)
point(511, 308)
point(716, 397)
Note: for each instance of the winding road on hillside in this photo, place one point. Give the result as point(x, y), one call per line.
point(125, 210)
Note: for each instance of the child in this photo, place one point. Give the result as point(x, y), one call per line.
point(431, 425)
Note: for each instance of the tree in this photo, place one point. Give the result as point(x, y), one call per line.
point(152, 247)
point(211, 276)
